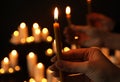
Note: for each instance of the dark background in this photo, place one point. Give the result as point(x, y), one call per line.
point(13, 12)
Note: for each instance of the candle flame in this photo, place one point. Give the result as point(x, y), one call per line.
point(16, 33)
point(49, 38)
point(6, 59)
point(37, 31)
point(66, 49)
point(35, 25)
point(89, 1)
point(56, 13)
point(44, 80)
point(22, 25)
point(14, 52)
point(68, 10)
point(44, 30)
point(39, 65)
point(31, 54)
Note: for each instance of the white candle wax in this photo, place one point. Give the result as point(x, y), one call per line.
point(13, 56)
point(15, 39)
point(39, 72)
point(23, 30)
point(45, 34)
point(5, 64)
point(36, 32)
point(31, 63)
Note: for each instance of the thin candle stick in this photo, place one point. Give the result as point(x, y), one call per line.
point(89, 6)
point(58, 39)
point(68, 16)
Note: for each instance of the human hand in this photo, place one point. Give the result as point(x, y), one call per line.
point(87, 36)
point(89, 61)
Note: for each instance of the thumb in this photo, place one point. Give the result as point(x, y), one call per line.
point(72, 67)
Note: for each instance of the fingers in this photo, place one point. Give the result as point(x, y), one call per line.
point(73, 55)
point(72, 67)
point(53, 59)
point(76, 54)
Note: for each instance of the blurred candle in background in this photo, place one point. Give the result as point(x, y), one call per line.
point(45, 34)
point(39, 72)
point(31, 63)
point(36, 32)
point(13, 56)
point(49, 38)
point(44, 80)
point(89, 6)
point(68, 16)
point(30, 39)
point(5, 64)
point(15, 39)
point(49, 52)
point(23, 31)
point(65, 49)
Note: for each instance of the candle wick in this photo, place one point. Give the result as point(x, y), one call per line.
point(56, 20)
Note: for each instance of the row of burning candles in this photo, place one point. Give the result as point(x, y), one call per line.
point(10, 63)
point(36, 69)
point(21, 35)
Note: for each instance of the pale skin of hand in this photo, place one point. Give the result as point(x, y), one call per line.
point(89, 61)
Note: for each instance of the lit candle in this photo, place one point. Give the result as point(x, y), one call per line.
point(5, 64)
point(30, 39)
point(13, 56)
point(39, 72)
point(49, 39)
point(49, 52)
point(89, 6)
point(65, 49)
point(45, 34)
point(73, 46)
point(44, 80)
point(32, 80)
point(57, 38)
point(68, 16)
point(23, 30)
point(15, 39)
point(36, 32)
point(31, 63)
